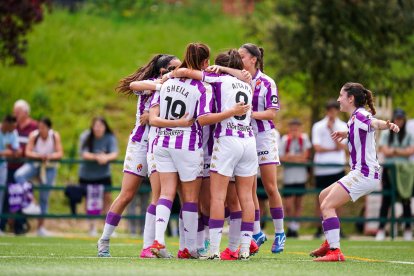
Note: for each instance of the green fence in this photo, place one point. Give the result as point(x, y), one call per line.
point(145, 189)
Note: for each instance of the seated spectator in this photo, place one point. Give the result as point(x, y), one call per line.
point(44, 147)
point(97, 144)
point(396, 147)
point(295, 148)
point(9, 147)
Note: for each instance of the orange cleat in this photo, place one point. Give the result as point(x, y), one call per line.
point(254, 248)
point(333, 255)
point(183, 254)
point(156, 248)
point(321, 251)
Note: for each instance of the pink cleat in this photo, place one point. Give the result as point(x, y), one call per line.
point(147, 254)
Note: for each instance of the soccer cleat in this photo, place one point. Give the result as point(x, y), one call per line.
point(279, 244)
point(228, 255)
point(103, 248)
point(181, 254)
point(214, 256)
point(244, 256)
point(259, 238)
point(156, 249)
point(321, 251)
point(333, 255)
point(253, 248)
point(147, 254)
point(202, 253)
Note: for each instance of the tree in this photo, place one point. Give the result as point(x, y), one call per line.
point(335, 41)
point(16, 19)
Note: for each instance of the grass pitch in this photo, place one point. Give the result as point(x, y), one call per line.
point(77, 256)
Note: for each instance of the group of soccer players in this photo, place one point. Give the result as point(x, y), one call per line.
point(202, 131)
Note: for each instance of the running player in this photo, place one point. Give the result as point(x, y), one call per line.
point(364, 176)
point(135, 165)
point(178, 151)
point(265, 105)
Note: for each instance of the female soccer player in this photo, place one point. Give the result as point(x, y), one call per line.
point(364, 176)
point(135, 166)
point(178, 153)
point(233, 150)
point(265, 105)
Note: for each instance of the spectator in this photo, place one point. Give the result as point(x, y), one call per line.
point(328, 151)
point(396, 147)
point(44, 146)
point(9, 147)
point(98, 144)
point(295, 148)
point(25, 125)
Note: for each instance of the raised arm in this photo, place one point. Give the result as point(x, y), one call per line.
point(186, 73)
point(145, 85)
point(238, 109)
point(380, 124)
point(242, 75)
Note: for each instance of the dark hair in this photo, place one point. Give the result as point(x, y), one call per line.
point(195, 54)
point(231, 59)
point(46, 121)
point(361, 95)
point(257, 52)
point(401, 134)
point(151, 70)
point(88, 144)
point(10, 119)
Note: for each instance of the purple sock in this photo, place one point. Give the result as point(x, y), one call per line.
point(112, 219)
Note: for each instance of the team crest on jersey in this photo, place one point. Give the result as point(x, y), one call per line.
point(139, 167)
point(258, 83)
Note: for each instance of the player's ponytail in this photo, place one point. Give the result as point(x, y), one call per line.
point(195, 55)
point(362, 96)
point(151, 70)
point(257, 52)
point(230, 59)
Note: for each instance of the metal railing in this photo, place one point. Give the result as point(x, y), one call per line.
point(146, 189)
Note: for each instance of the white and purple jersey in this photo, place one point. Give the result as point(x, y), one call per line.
point(153, 131)
point(177, 97)
point(228, 91)
point(140, 133)
point(361, 144)
point(265, 96)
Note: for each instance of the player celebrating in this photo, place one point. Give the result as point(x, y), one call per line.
point(364, 176)
point(265, 105)
point(135, 165)
point(178, 153)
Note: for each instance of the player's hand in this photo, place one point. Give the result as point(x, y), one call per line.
point(215, 69)
point(338, 136)
point(184, 121)
point(166, 77)
point(392, 126)
point(239, 109)
point(144, 118)
point(247, 77)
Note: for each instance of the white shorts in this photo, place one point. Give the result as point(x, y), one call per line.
point(357, 185)
point(136, 159)
point(234, 156)
point(188, 164)
point(266, 146)
point(206, 166)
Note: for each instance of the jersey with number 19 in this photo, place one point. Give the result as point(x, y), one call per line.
point(179, 149)
point(234, 149)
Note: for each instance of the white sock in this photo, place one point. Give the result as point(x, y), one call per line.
point(216, 230)
point(200, 234)
point(190, 218)
point(163, 212)
point(256, 228)
point(149, 227)
point(277, 216)
point(246, 232)
point(181, 232)
point(234, 230)
point(107, 231)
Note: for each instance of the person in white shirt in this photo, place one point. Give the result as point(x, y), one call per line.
point(327, 151)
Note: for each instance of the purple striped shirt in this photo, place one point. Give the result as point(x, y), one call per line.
point(361, 144)
point(265, 96)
